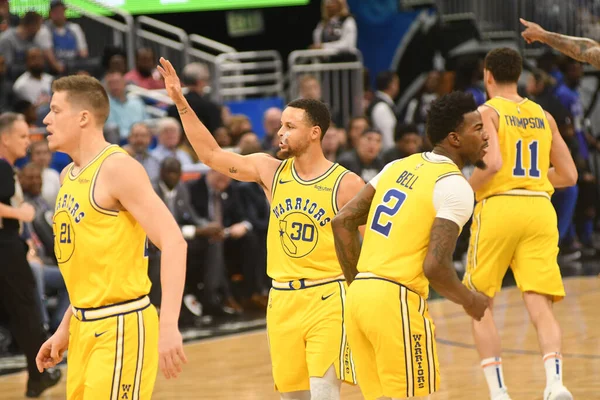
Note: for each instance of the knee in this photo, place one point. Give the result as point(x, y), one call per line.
point(326, 387)
point(300, 395)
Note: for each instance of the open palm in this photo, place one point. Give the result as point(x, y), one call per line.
point(172, 83)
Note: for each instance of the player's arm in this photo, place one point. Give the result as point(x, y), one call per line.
point(345, 230)
point(350, 186)
point(493, 158)
point(581, 49)
point(563, 172)
point(453, 200)
point(130, 186)
point(251, 168)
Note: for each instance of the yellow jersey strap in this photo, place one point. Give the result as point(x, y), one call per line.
point(276, 176)
point(336, 185)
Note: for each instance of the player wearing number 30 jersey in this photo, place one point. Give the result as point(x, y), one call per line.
point(414, 210)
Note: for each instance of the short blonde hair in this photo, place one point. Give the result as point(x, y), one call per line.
point(87, 92)
point(344, 12)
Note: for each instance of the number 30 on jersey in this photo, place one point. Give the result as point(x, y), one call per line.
point(392, 202)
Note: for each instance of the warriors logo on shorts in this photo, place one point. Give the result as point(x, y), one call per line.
point(298, 234)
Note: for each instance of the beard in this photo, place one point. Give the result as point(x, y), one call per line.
point(480, 164)
point(146, 73)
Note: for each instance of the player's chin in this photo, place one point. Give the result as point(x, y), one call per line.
point(283, 154)
point(480, 164)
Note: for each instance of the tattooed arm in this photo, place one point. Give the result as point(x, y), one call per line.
point(251, 168)
point(345, 230)
point(580, 49)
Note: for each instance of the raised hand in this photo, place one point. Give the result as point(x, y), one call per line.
point(533, 32)
point(172, 83)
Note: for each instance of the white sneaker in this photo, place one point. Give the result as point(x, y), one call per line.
point(503, 396)
point(557, 392)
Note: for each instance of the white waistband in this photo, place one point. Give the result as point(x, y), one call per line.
point(304, 283)
point(523, 192)
point(92, 314)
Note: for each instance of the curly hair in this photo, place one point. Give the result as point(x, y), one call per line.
point(446, 115)
point(316, 113)
point(505, 64)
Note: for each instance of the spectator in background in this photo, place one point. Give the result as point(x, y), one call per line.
point(196, 77)
point(66, 39)
point(408, 142)
point(14, 42)
point(309, 87)
point(365, 160)
point(29, 111)
point(138, 147)
point(34, 85)
point(41, 156)
point(145, 74)
point(356, 127)
point(337, 28)
point(249, 143)
point(418, 107)
point(222, 137)
point(6, 92)
point(381, 110)
point(547, 62)
point(125, 109)
point(7, 20)
point(114, 59)
point(469, 77)
point(271, 124)
point(169, 137)
point(239, 124)
point(331, 144)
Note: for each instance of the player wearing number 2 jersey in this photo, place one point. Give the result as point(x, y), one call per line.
point(414, 210)
point(514, 223)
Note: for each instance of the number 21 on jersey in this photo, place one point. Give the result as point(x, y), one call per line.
point(521, 153)
point(391, 203)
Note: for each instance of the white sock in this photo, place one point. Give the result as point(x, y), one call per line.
point(492, 369)
point(553, 366)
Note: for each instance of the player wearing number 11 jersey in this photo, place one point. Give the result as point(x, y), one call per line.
point(414, 210)
point(514, 223)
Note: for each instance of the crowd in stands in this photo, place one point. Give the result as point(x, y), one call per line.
point(225, 221)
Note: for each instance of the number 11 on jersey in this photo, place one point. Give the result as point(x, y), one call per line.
point(533, 171)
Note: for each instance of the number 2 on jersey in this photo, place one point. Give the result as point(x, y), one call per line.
point(385, 209)
point(518, 170)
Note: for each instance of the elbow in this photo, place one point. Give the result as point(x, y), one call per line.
point(337, 222)
point(430, 270)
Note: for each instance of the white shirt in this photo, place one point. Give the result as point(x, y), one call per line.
point(384, 120)
point(453, 197)
point(50, 185)
point(347, 39)
point(28, 88)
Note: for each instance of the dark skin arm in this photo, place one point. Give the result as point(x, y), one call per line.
point(440, 272)
point(345, 230)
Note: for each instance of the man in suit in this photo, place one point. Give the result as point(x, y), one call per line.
point(216, 198)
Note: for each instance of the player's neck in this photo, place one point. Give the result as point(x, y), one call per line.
point(311, 164)
point(89, 147)
point(508, 92)
point(442, 151)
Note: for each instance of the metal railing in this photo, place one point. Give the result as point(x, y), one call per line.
point(100, 27)
point(250, 74)
point(340, 76)
point(206, 51)
point(166, 40)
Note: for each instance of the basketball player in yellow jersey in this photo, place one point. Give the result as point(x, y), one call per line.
point(305, 326)
point(514, 222)
point(414, 210)
point(104, 210)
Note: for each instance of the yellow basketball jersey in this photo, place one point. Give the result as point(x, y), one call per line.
point(525, 139)
point(102, 254)
point(400, 219)
point(300, 240)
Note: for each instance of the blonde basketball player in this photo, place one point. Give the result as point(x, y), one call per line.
point(514, 222)
point(414, 210)
point(305, 325)
point(105, 208)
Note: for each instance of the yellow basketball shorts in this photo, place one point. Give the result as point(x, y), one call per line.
point(113, 357)
point(392, 338)
point(307, 334)
point(516, 231)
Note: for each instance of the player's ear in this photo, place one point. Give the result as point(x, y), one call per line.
point(454, 139)
point(84, 118)
point(316, 132)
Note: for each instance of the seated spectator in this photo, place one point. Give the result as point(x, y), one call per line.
point(66, 38)
point(114, 59)
point(381, 110)
point(356, 127)
point(249, 143)
point(365, 160)
point(41, 157)
point(145, 73)
point(125, 109)
point(408, 142)
point(169, 138)
point(222, 137)
point(29, 111)
point(6, 91)
point(34, 85)
point(271, 125)
point(239, 124)
point(138, 147)
point(337, 28)
point(196, 77)
point(331, 144)
point(309, 87)
point(469, 77)
point(418, 106)
point(7, 19)
point(14, 42)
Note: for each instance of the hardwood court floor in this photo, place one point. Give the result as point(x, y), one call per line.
point(238, 367)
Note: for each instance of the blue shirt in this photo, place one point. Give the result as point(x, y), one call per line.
point(571, 100)
point(124, 114)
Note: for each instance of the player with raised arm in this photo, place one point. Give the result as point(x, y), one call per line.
point(305, 326)
point(414, 210)
point(514, 223)
point(105, 213)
